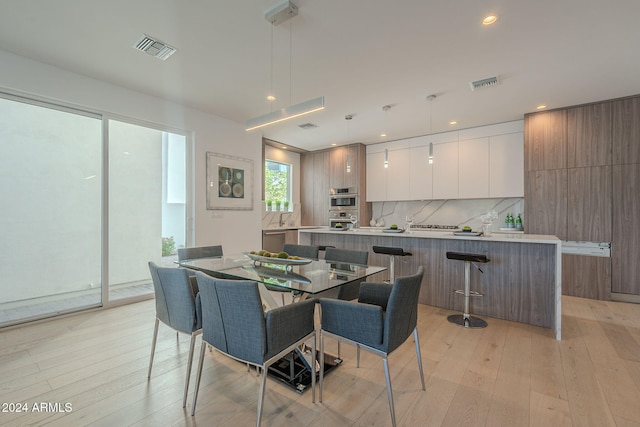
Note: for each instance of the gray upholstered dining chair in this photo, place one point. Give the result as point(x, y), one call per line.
point(382, 319)
point(234, 323)
point(304, 251)
point(350, 291)
point(199, 252)
point(177, 306)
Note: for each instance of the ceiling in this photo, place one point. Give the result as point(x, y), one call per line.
point(359, 54)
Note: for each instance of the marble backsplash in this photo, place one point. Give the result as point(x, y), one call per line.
point(446, 212)
point(281, 219)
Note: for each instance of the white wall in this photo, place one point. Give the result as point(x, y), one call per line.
point(235, 230)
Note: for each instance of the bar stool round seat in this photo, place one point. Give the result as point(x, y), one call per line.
point(393, 252)
point(465, 319)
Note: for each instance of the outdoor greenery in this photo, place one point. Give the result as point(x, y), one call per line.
point(276, 182)
point(168, 246)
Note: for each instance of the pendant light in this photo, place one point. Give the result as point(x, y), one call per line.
point(348, 118)
point(430, 98)
point(275, 17)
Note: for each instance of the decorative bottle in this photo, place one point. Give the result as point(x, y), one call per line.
point(518, 222)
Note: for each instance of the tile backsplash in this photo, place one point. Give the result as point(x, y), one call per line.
point(445, 212)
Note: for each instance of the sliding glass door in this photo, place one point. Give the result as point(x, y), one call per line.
point(87, 202)
point(147, 205)
point(50, 221)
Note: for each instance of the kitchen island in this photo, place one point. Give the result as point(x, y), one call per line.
point(521, 283)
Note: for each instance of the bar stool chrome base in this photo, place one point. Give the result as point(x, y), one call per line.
point(467, 321)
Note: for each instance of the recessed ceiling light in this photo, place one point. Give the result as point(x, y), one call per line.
point(453, 122)
point(284, 147)
point(271, 98)
point(383, 135)
point(541, 107)
point(334, 144)
point(489, 19)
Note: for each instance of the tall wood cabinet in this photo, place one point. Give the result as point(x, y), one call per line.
point(323, 170)
point(626, 231)
point(582, 180)
point(314, 188)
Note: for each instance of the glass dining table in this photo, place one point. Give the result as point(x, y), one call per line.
point(303, 278)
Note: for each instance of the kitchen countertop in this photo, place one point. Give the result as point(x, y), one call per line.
point(414, 234)
point(293, 227)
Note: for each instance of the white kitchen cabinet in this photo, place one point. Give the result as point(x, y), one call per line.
point(398, 175)
point(445, 170)
point(376, 177)
point(420, 174)
point(473, 167)
point(506, 165)
point(483, 162)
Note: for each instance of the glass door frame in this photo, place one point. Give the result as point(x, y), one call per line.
point(189, 204)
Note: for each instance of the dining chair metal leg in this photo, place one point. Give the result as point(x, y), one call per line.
point(313, 370)
point(387, 377)
point(263, 384)
point(198, 375)
point(189, 363)
point(338, 349)
point(415, 338)
point(153, 346)
point(357, 356)
point(321, 340)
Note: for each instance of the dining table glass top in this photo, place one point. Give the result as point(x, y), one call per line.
point(312, 278)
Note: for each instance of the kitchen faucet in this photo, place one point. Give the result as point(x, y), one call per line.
point(281, 223)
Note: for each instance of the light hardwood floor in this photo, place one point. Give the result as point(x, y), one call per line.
point(508, 374)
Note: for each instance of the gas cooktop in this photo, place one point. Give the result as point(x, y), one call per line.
point(435, 227)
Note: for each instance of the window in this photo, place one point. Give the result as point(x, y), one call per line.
point(277, 183)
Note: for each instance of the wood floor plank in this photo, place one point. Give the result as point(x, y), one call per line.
point(510, 398)
point(471, 403)
point(546, 365)
point(549, 411)
point(586, 399)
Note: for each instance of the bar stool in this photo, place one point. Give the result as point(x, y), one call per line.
point(465, 319)
point(393, 253)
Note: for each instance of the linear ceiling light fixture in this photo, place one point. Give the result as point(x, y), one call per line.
point(277, 16)
point(286, 113)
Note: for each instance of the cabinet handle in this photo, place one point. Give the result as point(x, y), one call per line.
point(273, 233)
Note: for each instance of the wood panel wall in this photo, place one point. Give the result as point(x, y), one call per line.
point(518, 283)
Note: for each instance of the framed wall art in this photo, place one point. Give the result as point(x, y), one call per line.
point(229, 182)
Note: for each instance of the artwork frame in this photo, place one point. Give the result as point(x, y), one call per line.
point(229, 182)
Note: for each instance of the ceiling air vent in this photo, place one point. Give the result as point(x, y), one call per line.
point(484, 83)
point(154, 47)
point(307, 126)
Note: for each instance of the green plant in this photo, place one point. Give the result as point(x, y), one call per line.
point(168, 246)
point(286, 205)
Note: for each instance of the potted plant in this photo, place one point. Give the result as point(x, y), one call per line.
point(286, 206)
point(269, 202)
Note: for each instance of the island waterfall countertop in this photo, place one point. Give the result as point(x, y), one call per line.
point(522, 281)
